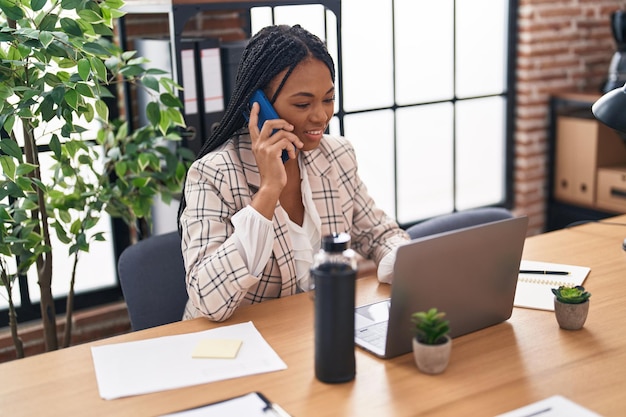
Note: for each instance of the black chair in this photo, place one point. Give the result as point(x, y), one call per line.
point(458, 220)
point(152, 276)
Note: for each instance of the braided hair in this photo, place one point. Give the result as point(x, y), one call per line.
point(272, 50)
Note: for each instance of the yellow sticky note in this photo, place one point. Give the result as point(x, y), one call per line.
point(217, 348)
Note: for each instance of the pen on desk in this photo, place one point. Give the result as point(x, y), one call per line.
point(541, 272)
point(272, 408)
point(536, 413)
point(276, 410)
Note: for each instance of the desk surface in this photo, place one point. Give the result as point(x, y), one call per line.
point(497, 369)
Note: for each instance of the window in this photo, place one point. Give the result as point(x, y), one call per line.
point(96, 270)
point(426, 98)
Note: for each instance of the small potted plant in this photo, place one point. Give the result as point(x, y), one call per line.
point(571, 305)
point(432, 344)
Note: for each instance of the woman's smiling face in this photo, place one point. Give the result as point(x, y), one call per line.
point(306, 100)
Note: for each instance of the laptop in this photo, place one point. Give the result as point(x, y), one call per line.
point(470, 274)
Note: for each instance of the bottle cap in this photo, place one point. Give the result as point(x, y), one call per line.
point(337, 242)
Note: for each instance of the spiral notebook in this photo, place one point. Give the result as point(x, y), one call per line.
point(534, 289)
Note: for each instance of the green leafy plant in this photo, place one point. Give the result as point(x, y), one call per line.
point(58, 70)
point(571, 295)
point(431, 327)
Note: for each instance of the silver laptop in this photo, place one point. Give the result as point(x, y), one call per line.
point(470, 274)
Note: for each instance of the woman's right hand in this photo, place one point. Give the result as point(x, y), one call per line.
point(267, 149)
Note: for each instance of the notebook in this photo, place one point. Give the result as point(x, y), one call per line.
point(470, 274)
point(535, 290)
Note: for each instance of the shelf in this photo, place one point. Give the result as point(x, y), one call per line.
point(579, 147)
point(179, 13)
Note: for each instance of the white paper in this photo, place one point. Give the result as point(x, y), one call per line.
point(163, 363)
point(555, 406)
point(534, 291)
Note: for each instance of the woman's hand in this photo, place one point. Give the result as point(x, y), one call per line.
point(267, 148)
point(265, 142)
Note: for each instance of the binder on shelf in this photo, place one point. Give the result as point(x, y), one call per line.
point(208, 69)
point(231, 52)
point(211, 80)
point(193, 136)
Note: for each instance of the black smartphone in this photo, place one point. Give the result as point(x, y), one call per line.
point(266, 112)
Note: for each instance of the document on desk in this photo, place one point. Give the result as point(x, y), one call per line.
point(555, 406)
point(164, 363)
point(253, 404)
point(536, 279)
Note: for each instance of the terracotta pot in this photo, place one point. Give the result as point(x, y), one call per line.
point(571, 316)
point(432, 359)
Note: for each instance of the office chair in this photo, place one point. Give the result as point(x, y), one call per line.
point(152, 276)
point(458, 220)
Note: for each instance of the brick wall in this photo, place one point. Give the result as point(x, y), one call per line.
point(87, 325)
point(563, 45)
point(226, 25)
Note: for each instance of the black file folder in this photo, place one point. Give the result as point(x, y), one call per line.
point(231, 52)
point(194, 135)
point(253, 404)
point(201, 79)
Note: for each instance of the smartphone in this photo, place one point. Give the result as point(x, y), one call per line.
point(266, 112)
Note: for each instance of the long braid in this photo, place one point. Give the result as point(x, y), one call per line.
point(272, 50)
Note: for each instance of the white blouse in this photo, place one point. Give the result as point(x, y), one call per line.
point(254, 237)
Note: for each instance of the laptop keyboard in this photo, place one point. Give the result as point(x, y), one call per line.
point(375, 334)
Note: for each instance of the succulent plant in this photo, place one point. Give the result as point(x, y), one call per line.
point(430, 326)
point(571, 295)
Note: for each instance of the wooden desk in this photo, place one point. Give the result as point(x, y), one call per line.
point(491, 371)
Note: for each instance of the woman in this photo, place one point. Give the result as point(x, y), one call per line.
point(250, 223)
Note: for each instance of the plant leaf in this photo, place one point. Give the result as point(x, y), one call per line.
point(84, 68)
point(71, 98)
point(153, 113)
point(46, 38)
point(11, 148)
point(151, 82)
point(170, 101)
point(70, 26)
point(11, 9)
point(8, 166)
point(37, 5)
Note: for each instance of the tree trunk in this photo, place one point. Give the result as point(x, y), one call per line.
point(69, 309)
point(17, 342)
point(44, 262)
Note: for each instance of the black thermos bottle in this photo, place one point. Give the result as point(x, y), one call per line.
point(333, 274)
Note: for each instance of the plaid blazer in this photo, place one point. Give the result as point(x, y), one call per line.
point(225, 180)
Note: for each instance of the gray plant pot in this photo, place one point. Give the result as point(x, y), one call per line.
point(432, 359)
point(571, 316)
